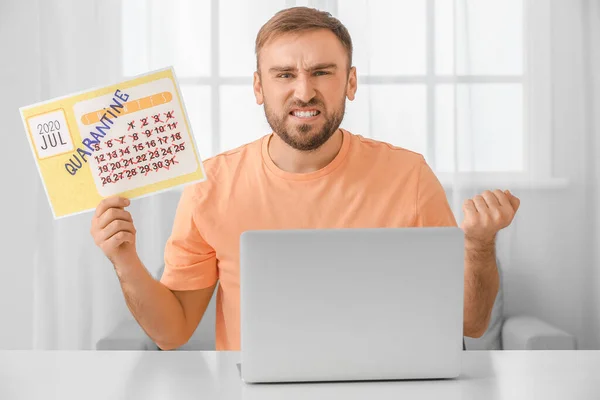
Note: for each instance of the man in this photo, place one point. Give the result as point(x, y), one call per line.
point(308, 173)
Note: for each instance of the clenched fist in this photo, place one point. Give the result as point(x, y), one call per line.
point(113, 230)
point(488, 213)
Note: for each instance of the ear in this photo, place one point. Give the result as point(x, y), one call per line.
point(352, 84)
point(257, 86)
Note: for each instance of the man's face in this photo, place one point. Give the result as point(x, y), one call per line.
point(303, 83)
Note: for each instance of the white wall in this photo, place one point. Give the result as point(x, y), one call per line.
point(19, 80)
point(593, 123)
point(552, 272)
point(572, 140)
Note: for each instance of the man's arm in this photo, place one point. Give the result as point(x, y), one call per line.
point(485, 216)
point(481, 287)
point(168, 317)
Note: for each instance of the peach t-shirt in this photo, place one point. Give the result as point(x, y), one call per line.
point(368, 184)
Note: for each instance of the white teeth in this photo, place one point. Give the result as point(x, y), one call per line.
point(305, 114)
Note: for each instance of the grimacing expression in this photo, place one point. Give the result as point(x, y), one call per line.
point(303, 82)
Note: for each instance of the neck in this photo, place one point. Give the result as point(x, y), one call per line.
point(300, 162)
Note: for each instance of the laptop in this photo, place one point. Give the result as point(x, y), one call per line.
point(351, 304)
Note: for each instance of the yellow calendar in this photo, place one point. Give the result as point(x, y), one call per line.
point(130, 139)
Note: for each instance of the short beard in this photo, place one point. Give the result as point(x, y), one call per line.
point(332, 123)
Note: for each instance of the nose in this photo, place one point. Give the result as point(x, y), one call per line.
point(304, 89)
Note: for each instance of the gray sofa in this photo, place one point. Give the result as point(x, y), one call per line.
point(520, 332)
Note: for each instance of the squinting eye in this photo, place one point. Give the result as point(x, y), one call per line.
point(320, 73)
point(284, 75)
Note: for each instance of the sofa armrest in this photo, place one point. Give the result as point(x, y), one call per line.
point(530, 333)
point(128, 335)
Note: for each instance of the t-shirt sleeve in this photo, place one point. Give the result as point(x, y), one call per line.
point(190, 262)
point(432, 207)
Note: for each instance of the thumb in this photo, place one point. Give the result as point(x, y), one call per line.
point(514, 201)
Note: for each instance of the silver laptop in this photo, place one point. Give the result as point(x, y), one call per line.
point(351, 304)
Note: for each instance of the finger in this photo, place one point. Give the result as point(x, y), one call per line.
point(480, 204)
point(515, 202)
point(490, 199)
point(469, 206)
point(111, 202)
point(113, 214)
point(115, 227)
point(121, 237)
point(502, 197)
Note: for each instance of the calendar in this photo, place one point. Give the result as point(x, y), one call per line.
point(130, 139)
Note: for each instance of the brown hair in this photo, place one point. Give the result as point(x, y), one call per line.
point(300, 19)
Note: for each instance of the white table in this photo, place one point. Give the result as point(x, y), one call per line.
point(213, 375)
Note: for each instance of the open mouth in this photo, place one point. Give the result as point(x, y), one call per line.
point(305, 114)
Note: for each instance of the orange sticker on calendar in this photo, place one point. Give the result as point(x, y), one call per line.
point(131, 139)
